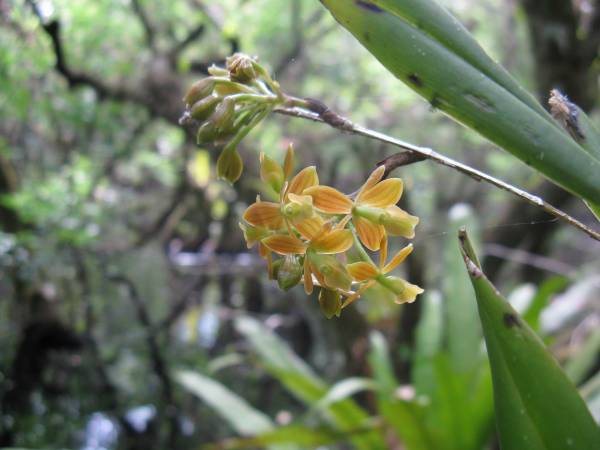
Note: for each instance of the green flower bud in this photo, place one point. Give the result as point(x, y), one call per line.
point(223, 117)
point(206, 133)
point(290, 272)
point(271, 172)
point(230, 165)
point(202, 109)
point(275, 268)
point(223, 89)
point(199, 90)
point(330, 303)
point(241, 68)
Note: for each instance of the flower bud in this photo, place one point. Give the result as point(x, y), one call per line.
point(203, 108)
point(206, 133)
point(223, 89)
point(290, 272)
point(241, 68)
point(330, 303)
point(275, 267)
point(230, 165)
point(223, 116)
point(271, 172)
point(199, 90)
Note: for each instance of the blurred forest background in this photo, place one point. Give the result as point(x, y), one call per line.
point(124, 274)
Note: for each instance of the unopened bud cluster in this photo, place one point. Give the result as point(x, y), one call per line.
point(227, 105)
point(306, 236)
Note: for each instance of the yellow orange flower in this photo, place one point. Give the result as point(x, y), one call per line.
point(366, 272)
point(293, 207)
point(323, 241)
point(303, 234)
point(373, 212)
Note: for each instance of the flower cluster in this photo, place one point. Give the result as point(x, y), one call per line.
point(307, 235)
point(227, 105)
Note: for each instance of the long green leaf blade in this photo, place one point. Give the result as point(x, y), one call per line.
point(242, 417)
point(467, 94)
point(435, 20)
point(537, 406)
point(407, 418)
point(304, 384)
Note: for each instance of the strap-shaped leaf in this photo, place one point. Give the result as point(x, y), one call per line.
point(537, 406)
point(301, 381)
point(438, 67)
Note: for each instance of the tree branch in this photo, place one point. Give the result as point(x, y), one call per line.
point(159, 363)
point(149, 31)
point(73, 77)
point(325, 115)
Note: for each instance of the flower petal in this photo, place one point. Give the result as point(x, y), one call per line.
point(362, 271)
point(330, 303)
point(309, 228)
point(288, 164)
point(271, 172)
point(398, 222)
point(373, 179)
point(336, 241)
point(398, 258)
point(404, 291)
point(382, 195)
point(301, 199)
point(383, 248)
point(370, 234)
point(252, 235)
point(264, 214)
point(284, 244)
point(308, 282)
point(329, 200)
point(304, 179)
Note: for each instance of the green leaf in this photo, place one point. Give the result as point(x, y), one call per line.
point(464, 338)
point(446, 71)
point(345, 389)
point(428, 342)
point(537, 406)
point(242, 417)
point(591, 394)
point(298, 378)
point(292, 434)
point(407, 418)
point(585, 358)
point(546, 290)
point(440, 25)
point(595, 209)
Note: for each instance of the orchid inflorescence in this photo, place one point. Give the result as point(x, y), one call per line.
point(314, 234)
point(307, 235)
point(228, 104)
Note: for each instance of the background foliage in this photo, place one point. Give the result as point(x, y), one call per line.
point(126, 285)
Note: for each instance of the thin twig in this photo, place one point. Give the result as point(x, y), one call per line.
point(325, 115)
